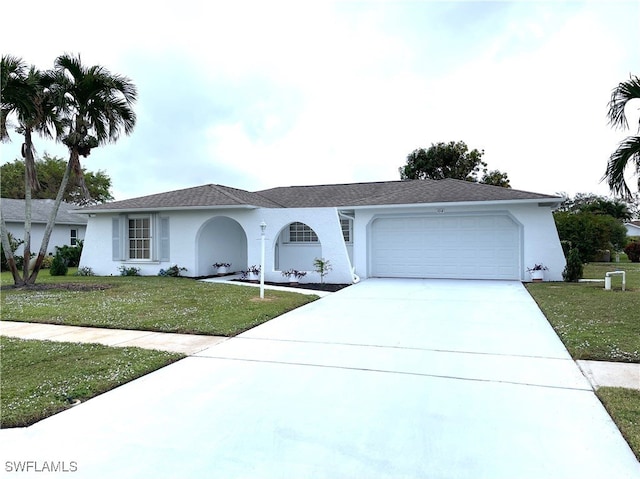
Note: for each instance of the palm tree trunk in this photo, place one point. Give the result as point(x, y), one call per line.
point(29, 173)
point(52, 220)
point(8, 252)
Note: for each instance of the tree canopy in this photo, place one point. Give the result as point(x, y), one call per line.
point(50, 171)
point(81, 106)
point(628, 151)
point(450, 160)
point(620, 208)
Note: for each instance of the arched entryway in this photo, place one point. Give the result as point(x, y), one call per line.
point(220, 240)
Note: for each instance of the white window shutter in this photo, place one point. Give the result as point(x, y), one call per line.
point(115, 239)
point(164, 239)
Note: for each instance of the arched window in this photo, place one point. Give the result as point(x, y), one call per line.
point(301, 233)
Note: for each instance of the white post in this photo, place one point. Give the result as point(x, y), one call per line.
point(263, 226)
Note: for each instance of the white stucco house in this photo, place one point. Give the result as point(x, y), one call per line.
point(418, 229)
point(69, 227)
point(633, 228)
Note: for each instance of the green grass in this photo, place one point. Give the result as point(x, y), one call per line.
point(165, 304)
point(624, 406)
point(601, 325)
point(41, 378)
point(593, 323)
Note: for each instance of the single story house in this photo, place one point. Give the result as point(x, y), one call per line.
point(416, 229)
point(69, 227)
point(633, 228)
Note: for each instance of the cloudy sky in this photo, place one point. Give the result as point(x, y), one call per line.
point(255, 94)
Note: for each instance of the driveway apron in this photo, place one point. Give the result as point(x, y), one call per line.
point(389, 378)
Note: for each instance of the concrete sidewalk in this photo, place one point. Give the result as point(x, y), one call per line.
point(176, 343)
point(599, 373)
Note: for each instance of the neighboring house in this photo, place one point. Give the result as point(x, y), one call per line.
point(633, 228)
point(69, 227)
point(416, 229)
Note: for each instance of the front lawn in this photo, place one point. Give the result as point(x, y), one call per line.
point(41, 378)
point(165, 304)
point(600, 325)
point(624, 407)
point(593, 323)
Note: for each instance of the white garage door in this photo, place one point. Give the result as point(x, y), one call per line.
point(465, 247)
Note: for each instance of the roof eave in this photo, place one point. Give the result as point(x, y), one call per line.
point(550, 202)
point(163, 208)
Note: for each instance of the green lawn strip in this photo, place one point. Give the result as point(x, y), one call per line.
point(41, 378)
point(593, 323)
point(165, 304)
point(624, 407)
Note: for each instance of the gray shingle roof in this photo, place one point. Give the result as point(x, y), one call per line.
point(395, 193)
point(339, 195)
point(13, 211)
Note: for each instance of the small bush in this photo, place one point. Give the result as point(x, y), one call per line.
point(14, 243)
point(129, 271)
point(322, 267)
point(85, 271)
point(172, 271)
point(574, 269)
point(70, 253)
point(46, 262)
point(58, 266)
point(633, 252)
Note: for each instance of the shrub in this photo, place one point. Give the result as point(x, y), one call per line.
point(172, 271)
point(14, 243)
point(573, 271)
point(589, 232)
point(633, 251)
point(322, 267)
point(58, 266)
point(71, 253)
point(129, 271)
point(46, 262)
point(85, 271)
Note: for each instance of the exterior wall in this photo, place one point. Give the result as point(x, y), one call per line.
point(632, 230)
point(193, 244)
point(190, 248)
point(325, 222)
point(540, 238)
point(60, 236)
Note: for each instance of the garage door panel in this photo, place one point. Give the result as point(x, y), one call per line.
point(474, 247)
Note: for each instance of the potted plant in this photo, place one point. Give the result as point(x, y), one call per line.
point(537, 272)
point(253, 272)
point(221, 268)
point(294, 275)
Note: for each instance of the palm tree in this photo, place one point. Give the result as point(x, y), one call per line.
point(96, 105)
point(628, 151)
point(26, 95)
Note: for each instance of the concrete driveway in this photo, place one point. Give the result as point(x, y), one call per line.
point(387, 378)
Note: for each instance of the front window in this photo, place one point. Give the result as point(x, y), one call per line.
point(301, 233)
point(140, 237)
point(74, 238)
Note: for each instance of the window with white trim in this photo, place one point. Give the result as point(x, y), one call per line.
point(140, 237)
point(301, 233)
point(73, 241)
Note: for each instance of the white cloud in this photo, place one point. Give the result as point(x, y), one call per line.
point(260, 94)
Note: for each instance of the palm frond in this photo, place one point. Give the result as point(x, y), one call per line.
point(621, 95)
point(628, 151)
